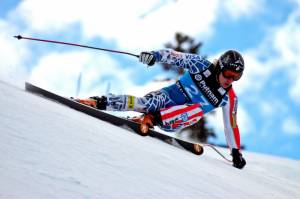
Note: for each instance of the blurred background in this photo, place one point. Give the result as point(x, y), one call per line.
point(265, 32)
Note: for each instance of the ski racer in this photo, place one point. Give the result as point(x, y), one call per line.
point(205, 86)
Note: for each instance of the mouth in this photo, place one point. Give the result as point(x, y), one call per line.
point(226, 84)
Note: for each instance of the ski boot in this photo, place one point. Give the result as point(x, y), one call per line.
point(95, 102)
point(147, 121)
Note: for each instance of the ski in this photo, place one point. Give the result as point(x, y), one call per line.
point(195, 148)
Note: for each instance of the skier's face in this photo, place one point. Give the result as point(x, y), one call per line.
point(225, 82)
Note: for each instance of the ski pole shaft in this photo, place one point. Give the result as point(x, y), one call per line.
point(216, 150)
point(73, 44)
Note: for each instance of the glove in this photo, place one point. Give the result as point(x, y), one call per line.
point(237, 159)
point(147, 58)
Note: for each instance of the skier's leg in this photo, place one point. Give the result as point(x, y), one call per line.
point(113, 102)
point(180, 116)
point(150, 103)
point(158, 107)
point(172, 118)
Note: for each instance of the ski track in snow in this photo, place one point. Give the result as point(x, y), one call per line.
point(48, 150)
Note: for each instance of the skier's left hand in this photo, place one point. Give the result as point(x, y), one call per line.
point(147, 58)
point(237, 159)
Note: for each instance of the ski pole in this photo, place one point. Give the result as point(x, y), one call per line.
point(216, 150)
point(73, 44)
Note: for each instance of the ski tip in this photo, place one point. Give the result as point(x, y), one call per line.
point(144, 130)
point(198, 149)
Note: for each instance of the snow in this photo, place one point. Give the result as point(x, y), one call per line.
point(48, 150)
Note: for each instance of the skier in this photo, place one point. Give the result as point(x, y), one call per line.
point(205, 86)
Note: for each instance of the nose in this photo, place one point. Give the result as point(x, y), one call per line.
point(229, 80)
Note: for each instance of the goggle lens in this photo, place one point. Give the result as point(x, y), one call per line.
point(228, 74)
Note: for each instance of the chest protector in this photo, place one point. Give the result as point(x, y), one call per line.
point(207, 83)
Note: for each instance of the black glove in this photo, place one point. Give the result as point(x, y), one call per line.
point(147, 58)
point(237, 159)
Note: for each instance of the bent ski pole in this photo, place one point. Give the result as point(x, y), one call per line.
point(72, 44)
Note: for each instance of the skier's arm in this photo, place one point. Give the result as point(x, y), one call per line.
point(232, 130)
point(168, 56)
point(229, 118)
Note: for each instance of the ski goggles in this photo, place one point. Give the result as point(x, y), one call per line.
point(228, 74)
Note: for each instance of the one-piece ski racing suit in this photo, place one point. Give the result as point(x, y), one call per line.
point(183, 103)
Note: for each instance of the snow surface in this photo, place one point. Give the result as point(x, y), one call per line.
point(48, 150)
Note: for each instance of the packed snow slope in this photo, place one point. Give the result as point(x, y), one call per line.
point(48, 150)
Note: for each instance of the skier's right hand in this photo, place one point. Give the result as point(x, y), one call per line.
point(147, 58)
point(237, 159)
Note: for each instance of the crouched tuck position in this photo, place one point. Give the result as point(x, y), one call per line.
point(205, 86)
